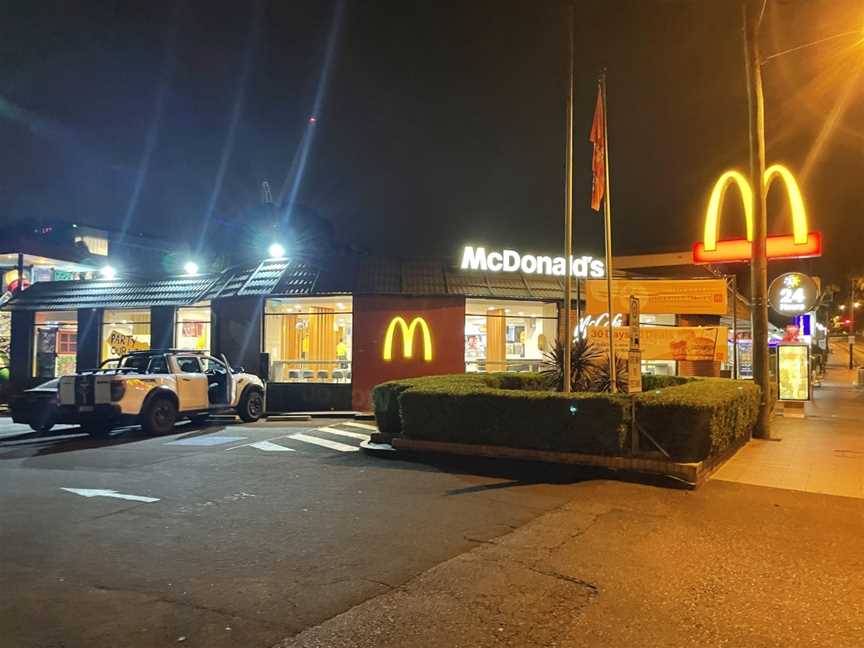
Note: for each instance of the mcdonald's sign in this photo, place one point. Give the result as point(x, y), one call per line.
point(801, 244)
point(407, 338)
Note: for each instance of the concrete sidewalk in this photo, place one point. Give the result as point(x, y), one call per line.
point(822, 453)
point(633, 565)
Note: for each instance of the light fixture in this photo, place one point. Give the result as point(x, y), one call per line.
point(340, 305)
point(856, 304)
point(190, 268)
point(108, 272)
point(842, 307)
point(276, 251)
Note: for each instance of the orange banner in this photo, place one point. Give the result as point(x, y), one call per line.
point(668, 342)
point(660, 296)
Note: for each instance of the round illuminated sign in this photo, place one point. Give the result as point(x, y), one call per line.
point(793, 293)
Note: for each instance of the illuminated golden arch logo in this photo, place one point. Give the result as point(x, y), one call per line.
point(408, 338)
point(802, 243)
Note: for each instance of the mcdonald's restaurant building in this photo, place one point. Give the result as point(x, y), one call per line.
point(322, 335)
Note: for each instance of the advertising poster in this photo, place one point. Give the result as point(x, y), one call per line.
point(660, 296)
point(745, 358)
point(793, 372)
point(668, 343)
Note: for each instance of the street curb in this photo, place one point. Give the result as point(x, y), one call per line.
point(692, 474)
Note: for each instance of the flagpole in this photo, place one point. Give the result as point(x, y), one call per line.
point(568, 214)
point(608, 230)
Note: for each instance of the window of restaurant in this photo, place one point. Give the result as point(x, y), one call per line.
point(124, 331)
point(192, 327)
point(309, 339)
point(508, 335)
point(55, 343)
point(658, 367)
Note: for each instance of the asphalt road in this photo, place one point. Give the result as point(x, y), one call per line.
point(236, 535)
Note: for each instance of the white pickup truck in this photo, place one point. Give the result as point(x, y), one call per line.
point(155, 389)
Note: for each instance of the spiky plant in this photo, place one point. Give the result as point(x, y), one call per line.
point(603, 380)
point(584, 359)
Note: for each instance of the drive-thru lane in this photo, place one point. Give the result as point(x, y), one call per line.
point(230, 535)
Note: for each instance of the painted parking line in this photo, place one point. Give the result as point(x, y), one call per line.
point(206, 440)
point(324, 443)
point(363, 426)
point(345, 433)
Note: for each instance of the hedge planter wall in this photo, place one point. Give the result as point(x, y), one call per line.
point(701, 418)
point(690, 419)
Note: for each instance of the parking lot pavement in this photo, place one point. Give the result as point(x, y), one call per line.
point(231, 535)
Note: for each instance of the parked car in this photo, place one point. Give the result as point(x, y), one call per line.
point(37, 407)
point(156, 388)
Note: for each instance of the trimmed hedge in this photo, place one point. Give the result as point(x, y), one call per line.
point(700, 418)
point(540, 420)
point(691, 419)
point(385, 397)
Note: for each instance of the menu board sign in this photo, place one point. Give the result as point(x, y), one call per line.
point(793, 372)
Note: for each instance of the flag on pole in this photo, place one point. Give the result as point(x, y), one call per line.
point(598, 160)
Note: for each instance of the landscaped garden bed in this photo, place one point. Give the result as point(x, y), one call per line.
point(691, 420)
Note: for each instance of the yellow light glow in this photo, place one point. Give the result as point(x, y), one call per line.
point(796, 201)
point(800, 227)
point(715, 206)
point(408, 338)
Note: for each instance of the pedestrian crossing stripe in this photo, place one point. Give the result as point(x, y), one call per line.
point(345, 433)
point(324, 443)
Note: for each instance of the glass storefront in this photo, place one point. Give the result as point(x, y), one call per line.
point(55, 343)
point(192, 327)
point(508, 335)
point(124, 331)
point(309, 339)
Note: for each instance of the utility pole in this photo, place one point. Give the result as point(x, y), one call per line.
point(852, 282)
point(568, 211)
point(752, 16)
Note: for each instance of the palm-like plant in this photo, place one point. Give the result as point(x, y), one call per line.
point(603, 381)
point(584, 360)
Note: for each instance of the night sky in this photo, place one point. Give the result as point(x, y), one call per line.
point(437, 123)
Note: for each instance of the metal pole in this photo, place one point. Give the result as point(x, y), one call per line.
point(608, 229)
point(759, 259)
point(851, 323)
point(735, 326)
point(568, 211)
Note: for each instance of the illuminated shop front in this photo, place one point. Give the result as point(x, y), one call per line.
point(55, 343)
point(508, 335)
point(324, 336)
point(124, 331)
point(309, 339)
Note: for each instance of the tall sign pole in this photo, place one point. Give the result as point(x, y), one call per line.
point(608, 230)
point(568, 211)
point(759, 257)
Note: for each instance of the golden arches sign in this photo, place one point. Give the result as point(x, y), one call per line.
point(802, 243)
point(408, 337)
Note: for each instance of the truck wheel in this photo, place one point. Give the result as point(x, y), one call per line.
point(251, 406)
point(159, 416)
point(43, 421)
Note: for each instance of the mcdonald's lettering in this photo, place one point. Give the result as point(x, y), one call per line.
point(801, 244)
point(408, 338)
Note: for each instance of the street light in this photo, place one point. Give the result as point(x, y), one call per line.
point(276, 251)
point(190, 268)
point(108, 272)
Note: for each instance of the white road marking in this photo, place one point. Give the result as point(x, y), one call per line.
point(267, 446)
point(99, 492)
point(345, 433)
point(364, 426)
point(325, 443)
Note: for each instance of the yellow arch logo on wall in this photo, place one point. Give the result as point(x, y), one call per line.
point(408, 338)
point(802, 243)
